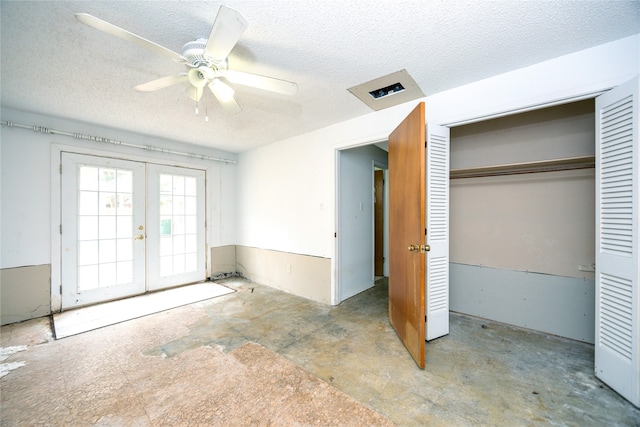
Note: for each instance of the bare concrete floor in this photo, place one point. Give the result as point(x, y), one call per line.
point(482, 373)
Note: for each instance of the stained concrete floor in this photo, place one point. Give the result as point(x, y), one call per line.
point(482, 373)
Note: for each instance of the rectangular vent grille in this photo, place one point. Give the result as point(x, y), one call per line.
point(616, 178)
point(616, 309)
point(438, 293)
point(387, 90)
point(438, 185)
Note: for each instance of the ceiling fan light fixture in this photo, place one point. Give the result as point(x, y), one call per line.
point(199, 77)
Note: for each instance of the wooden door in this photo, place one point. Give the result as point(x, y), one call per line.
point(407, 195)
point(378, 178)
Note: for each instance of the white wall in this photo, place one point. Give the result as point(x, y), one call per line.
point(287, 192)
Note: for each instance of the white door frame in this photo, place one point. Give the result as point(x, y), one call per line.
point(55, 203)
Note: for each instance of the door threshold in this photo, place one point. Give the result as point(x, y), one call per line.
point(77, 321)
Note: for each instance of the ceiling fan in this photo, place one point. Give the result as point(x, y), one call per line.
point(205, 59)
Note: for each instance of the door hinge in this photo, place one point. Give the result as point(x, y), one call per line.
point(60, 289)
point(60, 168)
point(60, 228)
point(425, 231)
point(335, 234)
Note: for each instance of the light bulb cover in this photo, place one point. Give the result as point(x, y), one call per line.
point(199, 77)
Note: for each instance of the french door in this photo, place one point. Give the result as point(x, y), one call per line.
point(128, 227)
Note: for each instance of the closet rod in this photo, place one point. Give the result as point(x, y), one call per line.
point(570, 163)
point(82, 136)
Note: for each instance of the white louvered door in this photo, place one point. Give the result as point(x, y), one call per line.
point(437, 206)
point(617, 353)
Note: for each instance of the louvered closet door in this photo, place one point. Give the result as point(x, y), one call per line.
point(437, 271)
point(617, 355)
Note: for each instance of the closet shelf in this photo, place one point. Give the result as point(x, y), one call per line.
point(570, 163)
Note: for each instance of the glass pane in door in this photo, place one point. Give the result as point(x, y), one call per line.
point(176, 226)
point(178, 230)
point(105, 227)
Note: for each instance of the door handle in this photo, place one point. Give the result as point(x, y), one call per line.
point(139, 237)
point(419, 248)
point(414, 248)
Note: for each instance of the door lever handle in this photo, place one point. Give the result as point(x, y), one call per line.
point(139, 237)
point(419, 248)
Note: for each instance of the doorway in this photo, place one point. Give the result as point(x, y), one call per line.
point(381, 224)
point(128, 227)
point(523, 220)
point(356, 218)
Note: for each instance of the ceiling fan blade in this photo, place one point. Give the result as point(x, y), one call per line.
point(227, 29)
point(224, 95)
point(261, 82)
point(108, 28)
point(161, 83)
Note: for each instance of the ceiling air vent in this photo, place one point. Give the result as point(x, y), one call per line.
point(386, 91)
point(377, 93)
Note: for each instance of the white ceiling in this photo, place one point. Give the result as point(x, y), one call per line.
point(54, 65)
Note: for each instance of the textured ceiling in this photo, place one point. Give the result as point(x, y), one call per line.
point(54, 65)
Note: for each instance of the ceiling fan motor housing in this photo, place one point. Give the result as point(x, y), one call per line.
point(194, 53)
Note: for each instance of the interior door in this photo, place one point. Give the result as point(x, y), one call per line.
point(103, 222)
point(617, 340)
point(378, 220)
point(407, 209)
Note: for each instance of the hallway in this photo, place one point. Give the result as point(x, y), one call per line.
point(483, 373)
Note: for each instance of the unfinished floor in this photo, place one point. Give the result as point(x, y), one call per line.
point(482, 373)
